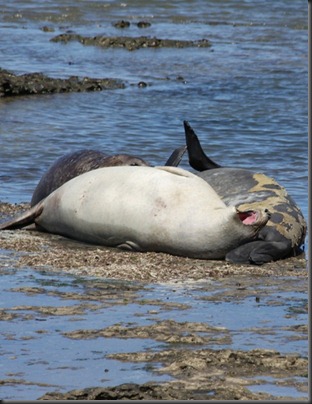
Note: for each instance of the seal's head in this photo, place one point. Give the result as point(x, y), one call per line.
point(124, 160)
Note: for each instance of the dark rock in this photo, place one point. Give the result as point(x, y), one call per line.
point(143, 24)
point(130, 43)
point(38, 83)
point(122, 24)
point(153, 391)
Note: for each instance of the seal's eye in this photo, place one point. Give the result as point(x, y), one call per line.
point(134, 164)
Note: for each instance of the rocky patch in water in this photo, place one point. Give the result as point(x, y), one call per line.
point(38, 83)
point(130, 43)
point(153, 391)
point(126, 24)
point(201, 375)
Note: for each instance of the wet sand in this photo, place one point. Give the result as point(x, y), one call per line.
point(197, 373)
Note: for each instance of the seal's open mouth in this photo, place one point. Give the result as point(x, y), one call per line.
point(249, 217)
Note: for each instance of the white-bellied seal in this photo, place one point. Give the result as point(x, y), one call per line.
point(161, 209)
point(76, 163)
point(285, 232)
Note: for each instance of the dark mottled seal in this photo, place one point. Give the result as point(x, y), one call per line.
point(284, 234)
point(76, 163)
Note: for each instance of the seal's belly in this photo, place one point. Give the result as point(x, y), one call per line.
point(145, 209)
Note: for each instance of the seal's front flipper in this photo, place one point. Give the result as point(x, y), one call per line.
point(176, 156)
point(197, 157)
point(24, 219)
point(259, 252)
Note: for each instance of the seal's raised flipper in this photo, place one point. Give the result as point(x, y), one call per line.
point(24, 219)
point(197, 157)
point(176, 156)
point(259, 252)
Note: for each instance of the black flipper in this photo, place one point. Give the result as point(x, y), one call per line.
point(176, 156)
point(259, 252)
point(197, 157)
point(24, 219)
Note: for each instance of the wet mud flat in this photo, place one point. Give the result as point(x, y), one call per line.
point(201, 375)
point(197, 352)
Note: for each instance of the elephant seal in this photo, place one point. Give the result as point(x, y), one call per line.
point(161, 209)
point(76, 163)
point(285, 232)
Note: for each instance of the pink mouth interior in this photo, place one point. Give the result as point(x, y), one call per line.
point(249, 217)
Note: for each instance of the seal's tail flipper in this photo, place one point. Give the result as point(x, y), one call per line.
point(197, 157)
point(176, 156)
point(24, 219)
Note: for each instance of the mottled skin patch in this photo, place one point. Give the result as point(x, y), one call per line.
point(284, 234)
point(253, 190)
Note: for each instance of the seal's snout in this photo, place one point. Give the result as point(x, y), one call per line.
point(268, 213)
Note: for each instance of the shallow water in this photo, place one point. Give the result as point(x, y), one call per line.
point(245, 97)
point(35, 349)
